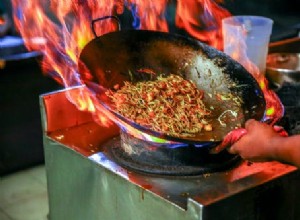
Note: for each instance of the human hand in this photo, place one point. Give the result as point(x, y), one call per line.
point(229, 140)
point(257, 144)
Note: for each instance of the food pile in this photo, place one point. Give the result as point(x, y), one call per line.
point(171, 105)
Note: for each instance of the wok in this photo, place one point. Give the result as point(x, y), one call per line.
point(119, 56)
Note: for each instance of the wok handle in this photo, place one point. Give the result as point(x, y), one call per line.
point(103, 18)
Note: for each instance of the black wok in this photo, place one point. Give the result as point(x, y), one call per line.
point(116, 57)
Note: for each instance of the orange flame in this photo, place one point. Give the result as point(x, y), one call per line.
point(63, 38)
point(61, 29)
point(202, 19)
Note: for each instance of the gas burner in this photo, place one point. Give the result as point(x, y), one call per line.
point(177, 159)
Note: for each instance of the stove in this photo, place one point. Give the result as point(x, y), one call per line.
point(86, 180)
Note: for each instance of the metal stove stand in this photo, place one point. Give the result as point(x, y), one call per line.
point(85, 183)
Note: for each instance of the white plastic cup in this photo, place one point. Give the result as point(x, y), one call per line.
point(249, 33)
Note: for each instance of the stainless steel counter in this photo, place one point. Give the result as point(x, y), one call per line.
point(85, 183)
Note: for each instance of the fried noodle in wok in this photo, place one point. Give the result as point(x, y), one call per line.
point(170, 104)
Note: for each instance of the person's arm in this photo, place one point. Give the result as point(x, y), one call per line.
point(262, 143)
point(288, 150)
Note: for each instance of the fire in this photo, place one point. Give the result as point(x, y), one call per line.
point(274, 108)
point(61, 29)
point(202, 19)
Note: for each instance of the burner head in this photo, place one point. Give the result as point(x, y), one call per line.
point(167, 159)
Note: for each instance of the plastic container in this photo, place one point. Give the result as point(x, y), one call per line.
point(247, 35)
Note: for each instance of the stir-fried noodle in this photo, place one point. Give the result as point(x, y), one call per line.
point(170, 105)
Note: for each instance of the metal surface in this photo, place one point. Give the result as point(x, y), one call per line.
point(120, 56)
point(94, 21)
point(84, 183)
point(283, 68)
